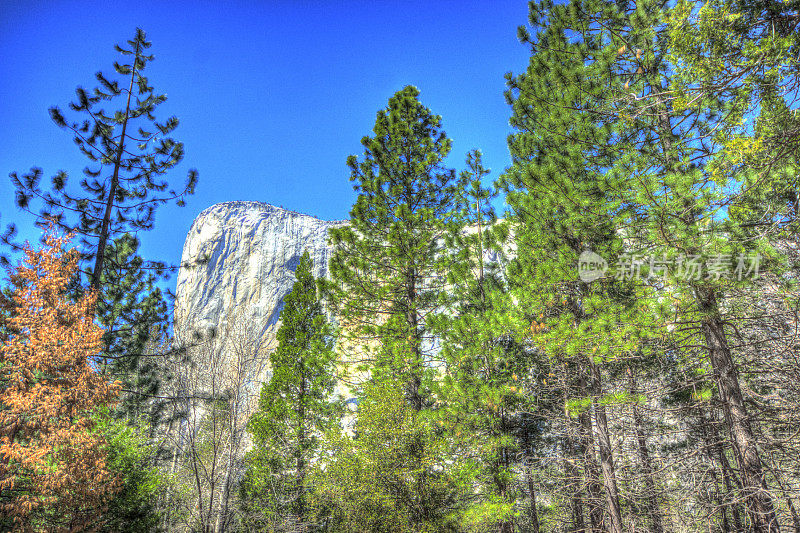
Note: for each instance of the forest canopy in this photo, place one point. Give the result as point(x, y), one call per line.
point(616, 350)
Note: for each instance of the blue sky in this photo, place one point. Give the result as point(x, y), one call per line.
point(272, 96)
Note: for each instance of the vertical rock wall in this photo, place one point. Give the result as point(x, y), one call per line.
point(238, 264)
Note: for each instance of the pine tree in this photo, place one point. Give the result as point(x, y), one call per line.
point(388, 275)
point(481, 387)
point(567, 201)
point(128, 151)
point(296, 407)
point(133, 312)
point(606, 160)
point(53, 468)
point(386, 272)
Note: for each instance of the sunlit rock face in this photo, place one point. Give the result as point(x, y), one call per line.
point(238, 264)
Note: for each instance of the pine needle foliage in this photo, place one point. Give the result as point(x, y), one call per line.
point(128, 151)
point(50, 456)
point(386, 268)
point(295, 409)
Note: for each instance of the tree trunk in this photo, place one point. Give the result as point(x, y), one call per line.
point(104, 228)
point(573, 482)
point(301, 449)
point(606, 455)
point(502, 466)
point(727, 474)
point(533, 515)
point(755, 491)
point(222, 506)
point(412, 321)
point(651, 496)
point(711, 447)
point(591, 470)
point(527, 447)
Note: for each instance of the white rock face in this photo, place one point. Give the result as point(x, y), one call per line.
point(238, 264)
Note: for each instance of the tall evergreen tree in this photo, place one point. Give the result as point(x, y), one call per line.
point(480, 384)
point(606, 161)
point(569, 195)
point(133, 312)
point(387, 270)
point(128, 152)
point(296, 407)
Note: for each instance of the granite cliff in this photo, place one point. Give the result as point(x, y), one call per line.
point(238, 264)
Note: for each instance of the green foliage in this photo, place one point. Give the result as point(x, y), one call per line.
point(570, 188)
point(128, 152)
point(392, 473)
point(295, 408)
point(480, 389)
point(130, 455)
point(613, 155)
point(388, 275)
point(744, 54)
point(386, 267)
point(133, 312)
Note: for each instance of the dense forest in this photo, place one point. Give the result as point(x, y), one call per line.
point(618, 350)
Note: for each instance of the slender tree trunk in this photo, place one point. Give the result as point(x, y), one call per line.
point(301, 449)
point(710, 447)
point(505, 526)
point(222, 506)
point(533, 515)
point(412, 321)
point(758, 499)
point(651, 496)
point(104, 229)
point(573, 482)
point(727, 474)
point(527, 462)
point(591, 469)
point(606, 455)
point(479, 219)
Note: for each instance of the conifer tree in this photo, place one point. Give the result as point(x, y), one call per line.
point(566, 202)
point(53, 468)
point(128, 152)
point(295, 408)
point(133, 312)
point(480, 386)
point(606, 161)
point(388, 274)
